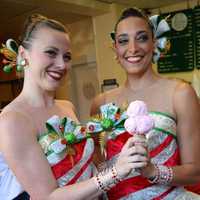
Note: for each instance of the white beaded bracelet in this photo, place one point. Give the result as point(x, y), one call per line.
point(164, 175)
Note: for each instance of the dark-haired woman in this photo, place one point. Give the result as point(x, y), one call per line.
point(173, 144)
point(43, 149)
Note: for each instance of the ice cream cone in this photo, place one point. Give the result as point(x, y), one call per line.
point(140, 137)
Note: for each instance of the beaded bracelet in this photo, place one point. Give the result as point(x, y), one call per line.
point(106, 179)
point(164, 175)
point(116, 178)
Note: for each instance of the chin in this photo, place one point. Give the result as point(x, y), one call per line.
point(51, 87)
point(133, 68)
point(136, 68)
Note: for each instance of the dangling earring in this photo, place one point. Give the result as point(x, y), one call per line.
point(21, 65)
point(117, 58)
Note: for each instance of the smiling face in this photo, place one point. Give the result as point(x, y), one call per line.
point(134, 45)
point(48, 58)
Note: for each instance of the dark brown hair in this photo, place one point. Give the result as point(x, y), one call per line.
point(131, 12)
point(33, 23)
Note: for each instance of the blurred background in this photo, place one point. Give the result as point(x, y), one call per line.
point(90, 23)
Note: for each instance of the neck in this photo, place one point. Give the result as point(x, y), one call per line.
point(141, 81)
point(37, 97)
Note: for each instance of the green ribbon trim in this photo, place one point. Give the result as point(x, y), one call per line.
point(165, 131)
point(163, 114)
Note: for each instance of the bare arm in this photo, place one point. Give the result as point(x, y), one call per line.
point(25, 157)
point(67, 108)
point(187, 110)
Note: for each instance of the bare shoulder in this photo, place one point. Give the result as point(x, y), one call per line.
point(185, 99)
point(67, 108)
point(184, 89)
point(112, 93)
point(15, 128)
point(170, 86)
point(65, 104)
point(13, 114)
point(96, 103)
point(103, 98)
point(169, 82)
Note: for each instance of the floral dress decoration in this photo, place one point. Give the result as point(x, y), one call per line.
point(109, 124)
point(69, 150)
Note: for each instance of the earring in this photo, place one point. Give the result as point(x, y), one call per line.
point(117, 58)
point(21, 65)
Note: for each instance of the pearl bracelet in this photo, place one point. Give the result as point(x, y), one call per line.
point(164, 175)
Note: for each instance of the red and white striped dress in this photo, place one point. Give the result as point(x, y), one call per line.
point(163, 149)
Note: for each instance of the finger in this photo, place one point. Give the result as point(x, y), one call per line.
point(139, 165)
point(137, 150)
point(140, 141)
point(144, 144)
point(137, 158)
point(128, 144)
point(132, 158)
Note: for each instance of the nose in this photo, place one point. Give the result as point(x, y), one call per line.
point(132, 46)
point(60, 62)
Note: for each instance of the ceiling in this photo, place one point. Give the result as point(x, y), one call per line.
point(13, 12)
point(11, 9)
point(145, 4)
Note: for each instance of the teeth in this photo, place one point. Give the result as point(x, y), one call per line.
point(133, 59)
point(54, 75)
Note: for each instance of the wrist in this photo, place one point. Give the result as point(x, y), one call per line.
point(106, 179)
point(150, 171)
point(164, 175)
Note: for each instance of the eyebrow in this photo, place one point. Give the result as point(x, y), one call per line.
point(52, 47)
point(69, 53)
point(56, 49)
point(123, 35)
point(137, 33)
point(140, 32)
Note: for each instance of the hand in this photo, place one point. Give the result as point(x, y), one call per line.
point(140, 139)
point(148, 170)
point(131, 157)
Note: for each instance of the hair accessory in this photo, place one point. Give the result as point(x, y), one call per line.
point(112, 35)
point(9, 51)
point(160, 28)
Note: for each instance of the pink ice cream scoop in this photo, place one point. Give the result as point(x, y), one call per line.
point(138, 121)
point(137, 108)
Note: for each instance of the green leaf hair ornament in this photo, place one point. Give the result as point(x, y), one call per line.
point(160, 29)
point(9, 52)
